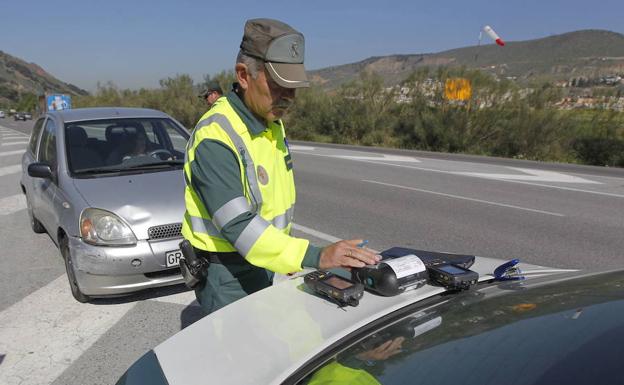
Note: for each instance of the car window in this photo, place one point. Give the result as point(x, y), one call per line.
point(34, 136)
point(120, 144)
point(47, 148)
point(571, 332)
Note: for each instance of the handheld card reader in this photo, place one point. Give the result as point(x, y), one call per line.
point(392, 276)
point(452, 277)
point(335, 287)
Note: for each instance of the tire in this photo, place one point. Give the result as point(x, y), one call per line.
point(36, 226)
point(71, 275)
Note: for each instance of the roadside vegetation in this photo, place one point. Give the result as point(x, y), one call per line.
point(500, 118)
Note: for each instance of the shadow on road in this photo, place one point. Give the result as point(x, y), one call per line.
point(142, 295)
point(191, 314)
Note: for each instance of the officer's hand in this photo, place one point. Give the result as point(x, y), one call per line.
point(346, 254)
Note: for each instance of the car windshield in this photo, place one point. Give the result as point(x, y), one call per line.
point(566, 333)
point(117, 145)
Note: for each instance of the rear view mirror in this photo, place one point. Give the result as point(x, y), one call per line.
point(40, 170)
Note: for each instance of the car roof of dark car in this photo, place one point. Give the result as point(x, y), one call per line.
point(81, 114)
point(550, 331)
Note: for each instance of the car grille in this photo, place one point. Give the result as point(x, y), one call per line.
point(173, 230)
point(163, 273)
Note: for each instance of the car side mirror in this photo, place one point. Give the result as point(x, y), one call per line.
point(40, 170)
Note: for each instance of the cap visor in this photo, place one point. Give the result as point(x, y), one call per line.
point(288, 75)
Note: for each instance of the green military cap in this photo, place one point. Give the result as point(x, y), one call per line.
point(280, 47)
point(210, 87)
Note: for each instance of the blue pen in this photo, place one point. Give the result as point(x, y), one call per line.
point(363, 243)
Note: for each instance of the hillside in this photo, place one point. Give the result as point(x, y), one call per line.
point(19, 77)
point(573, 54)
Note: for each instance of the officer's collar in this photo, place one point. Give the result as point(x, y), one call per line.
point(253, 124)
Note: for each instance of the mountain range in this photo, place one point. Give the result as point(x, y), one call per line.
point(586, 53)
point(18, 77)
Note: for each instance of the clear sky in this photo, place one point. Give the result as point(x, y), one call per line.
point(135, 43)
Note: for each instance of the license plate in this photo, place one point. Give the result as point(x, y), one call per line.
point(173, 258)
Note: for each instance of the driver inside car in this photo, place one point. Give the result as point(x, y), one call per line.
point(133, 143)
point(138, 145)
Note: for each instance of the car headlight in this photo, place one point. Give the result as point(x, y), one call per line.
point(100, 227)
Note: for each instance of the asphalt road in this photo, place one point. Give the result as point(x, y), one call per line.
point(547, 214)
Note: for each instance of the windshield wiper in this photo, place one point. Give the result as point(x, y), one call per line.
point(173, 162)
point(102, 170)
point(105, 170)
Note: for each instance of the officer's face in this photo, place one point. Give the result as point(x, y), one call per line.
point(212, 97)
point(265, 98)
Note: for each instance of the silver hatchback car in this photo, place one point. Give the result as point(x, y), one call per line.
point(107, 185)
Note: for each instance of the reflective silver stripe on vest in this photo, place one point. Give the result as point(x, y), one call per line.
point(250, 235)
point(243, 153)
point(282, 221)
point(204, 226)
point(229, 211)
point(250, 168)
point(189, 145)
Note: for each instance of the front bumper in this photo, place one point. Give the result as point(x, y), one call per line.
point(108, 270)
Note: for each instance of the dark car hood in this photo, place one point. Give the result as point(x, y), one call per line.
point(142, 200)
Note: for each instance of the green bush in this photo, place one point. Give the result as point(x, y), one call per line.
point(500, 119)
point(600, 151)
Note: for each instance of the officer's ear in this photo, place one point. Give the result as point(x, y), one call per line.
point(242, 75)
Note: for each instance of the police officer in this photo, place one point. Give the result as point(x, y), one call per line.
point(211, 93)
point(240, 191)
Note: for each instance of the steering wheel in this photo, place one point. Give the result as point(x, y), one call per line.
point(157, 154)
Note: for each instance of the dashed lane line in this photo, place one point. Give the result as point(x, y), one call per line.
point(13, 169)
point(8, 153)
point(186, 298)
point(466, 198)
point(12, 204)
point(44, 333)
point(13, 143)
point(11, 131)
point(316, 233)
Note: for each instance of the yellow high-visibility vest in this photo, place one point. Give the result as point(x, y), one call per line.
point(269, 188)
point(336, 374)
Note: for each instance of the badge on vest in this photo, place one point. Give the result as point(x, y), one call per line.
point(263, 176)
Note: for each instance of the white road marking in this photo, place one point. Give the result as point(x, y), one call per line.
point(294, 147)
point(498, 180)
point(13, 169)
point(44, 333)
point(47, 331)
point(7, 153)
point(10, 130)
point(12, 136)
point(533, 176)
point(186, 298)
point(316, 233)
point(567, 188)
point(385, 157)
point(12, 204)
point(371, 159)
point(466, 198)
point(13, 143)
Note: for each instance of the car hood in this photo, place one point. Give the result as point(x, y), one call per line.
point(142, 200)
